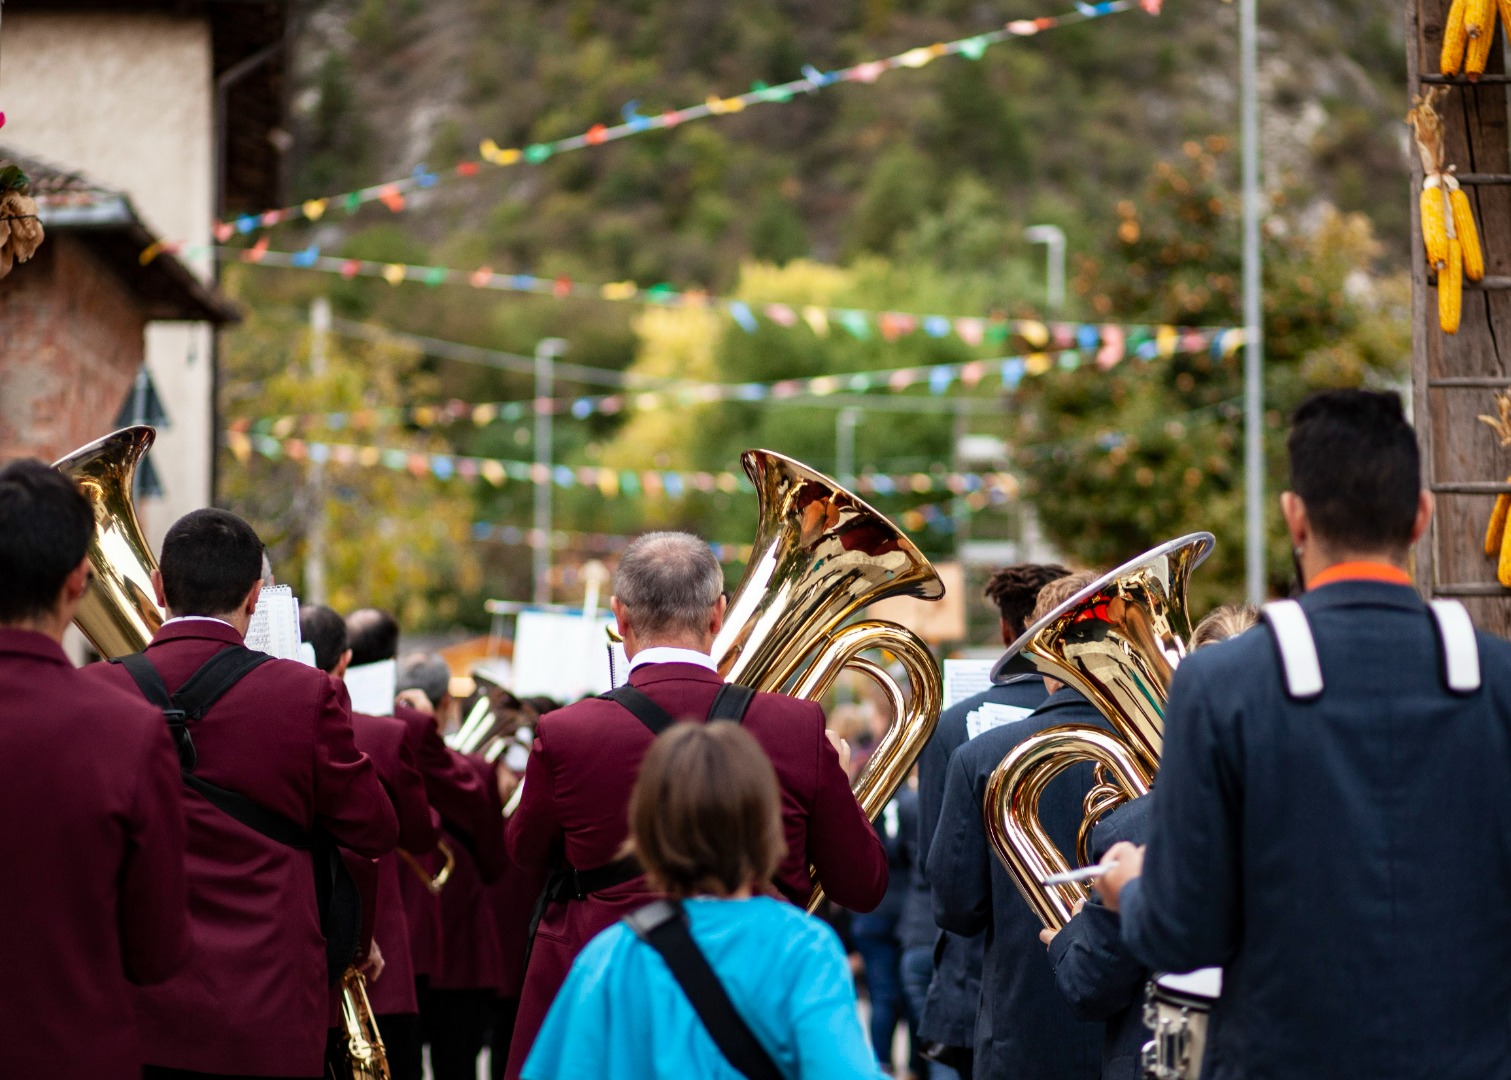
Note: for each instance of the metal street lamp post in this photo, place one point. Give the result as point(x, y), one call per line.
point(546, 352)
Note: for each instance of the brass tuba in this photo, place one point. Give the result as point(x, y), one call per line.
point(821, 555)
point(1118, 642)
point(119, 612)
point(365, 1057)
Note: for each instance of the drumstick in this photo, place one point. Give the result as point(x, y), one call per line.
point(1085, 873)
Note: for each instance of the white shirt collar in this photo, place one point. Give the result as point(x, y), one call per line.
point(196, 618)
point(666, 654)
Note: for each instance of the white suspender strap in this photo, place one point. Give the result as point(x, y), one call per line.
point(1297, 648)
point(1461, 652)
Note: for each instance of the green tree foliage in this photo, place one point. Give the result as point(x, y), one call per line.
point(1123, 459)
point(396, 540)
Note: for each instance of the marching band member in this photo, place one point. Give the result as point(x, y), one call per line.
point(456, 792)
point(1024, 1029)
point(705, 818)
point(948, 1019)
point(391, 992)
point(1093, 968)
point(669, 604)
point(1332, 806)
point(252, 999)
point(92, 895)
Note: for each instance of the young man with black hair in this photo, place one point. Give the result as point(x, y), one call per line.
point(92, 892)
point(1333, 807)
point(252, 999)
point(951, 970)
point(1024, 1029)
point(391, 988)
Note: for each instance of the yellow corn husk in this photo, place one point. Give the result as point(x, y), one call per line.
point(1478, 53)
point(1455, 37)
point(1505, 6)
point(1451, 288)
point(1434, 223)
point(1468, 235)
point(1503, 567)
point(1495, 531)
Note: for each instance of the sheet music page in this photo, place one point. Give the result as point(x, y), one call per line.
point(965, 678)
point(274, 628)
point(372, 687)
point(991, 716)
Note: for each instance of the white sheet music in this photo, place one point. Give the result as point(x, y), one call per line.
point(372, 687)
point(991, 716)
point(965, 678)
point(274, 628)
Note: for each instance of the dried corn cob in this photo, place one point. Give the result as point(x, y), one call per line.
point(1455, 39)
point(1495, 531)
point(1479, 18)
point(1434, 222)
point(1451, 288)
point(1468, 235)
point(1478, 53)
point(1503, 567)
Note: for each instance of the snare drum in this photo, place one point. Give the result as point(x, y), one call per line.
point(1176, 1010)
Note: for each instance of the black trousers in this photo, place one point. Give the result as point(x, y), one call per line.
point(456, 1023)
point(158, 1072)
point(404, 1041)
point(503, 1031)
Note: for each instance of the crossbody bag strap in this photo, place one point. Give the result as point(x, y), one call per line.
point(663, 926)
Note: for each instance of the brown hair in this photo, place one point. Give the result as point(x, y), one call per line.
point(1060, 590)
point(1223, 622)
point(1015, 588)
point(705, 815)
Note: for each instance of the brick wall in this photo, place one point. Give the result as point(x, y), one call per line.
point(71, 342)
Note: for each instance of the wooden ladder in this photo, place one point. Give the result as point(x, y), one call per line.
point(1454, 376)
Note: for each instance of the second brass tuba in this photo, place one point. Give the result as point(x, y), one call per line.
point(119, 613)
point(821, 555)
point(1117, 641)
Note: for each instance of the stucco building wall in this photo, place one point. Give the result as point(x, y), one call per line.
point(128, 100)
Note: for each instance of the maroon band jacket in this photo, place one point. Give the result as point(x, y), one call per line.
point(383, 739)
point(576, 802)
point(252, 998)
point(92, 891)
point(467, 809)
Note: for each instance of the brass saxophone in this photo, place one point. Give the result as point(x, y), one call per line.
point(365, 1057)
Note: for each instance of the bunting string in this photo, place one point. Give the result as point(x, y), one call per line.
point(608, 482)
point(939, 379)
point(395, 194)
point(1112, 341)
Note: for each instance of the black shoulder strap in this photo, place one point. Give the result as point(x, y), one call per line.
point(150, 682)
point(646, 711)
point(216, 676)
point(663, 926)
point(252, 814)
point(732, 702)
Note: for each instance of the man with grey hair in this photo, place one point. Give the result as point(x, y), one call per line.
point(572, 819)
point(427, 674)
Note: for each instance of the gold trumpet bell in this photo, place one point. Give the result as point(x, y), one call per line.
point(821, 555)
point(1118, 642)
point(119, 612)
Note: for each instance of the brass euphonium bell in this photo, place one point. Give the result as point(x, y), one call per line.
point(119, 612)
point(821, 555)
point(1118, 642)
